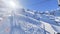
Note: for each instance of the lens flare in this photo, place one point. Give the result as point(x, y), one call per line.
point(7, 6)
point(14, 4)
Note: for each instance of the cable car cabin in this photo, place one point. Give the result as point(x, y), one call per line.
point(58, 2)
point(58, 33)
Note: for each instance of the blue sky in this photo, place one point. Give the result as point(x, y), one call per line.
point(40, 4)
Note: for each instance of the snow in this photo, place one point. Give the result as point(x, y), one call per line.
point(48, 27)
point(20, 21)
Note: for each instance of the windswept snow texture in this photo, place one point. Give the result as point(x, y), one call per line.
point(22, 21)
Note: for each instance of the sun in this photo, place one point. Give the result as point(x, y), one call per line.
point(14, 4)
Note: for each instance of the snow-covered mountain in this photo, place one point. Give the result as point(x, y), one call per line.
point(21, 21)
point(32, 22)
